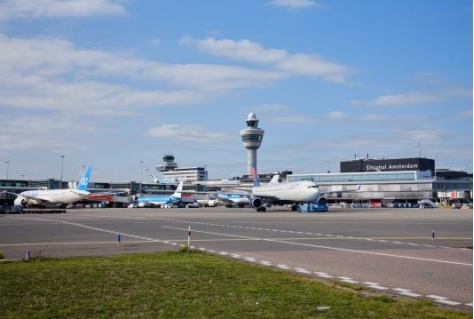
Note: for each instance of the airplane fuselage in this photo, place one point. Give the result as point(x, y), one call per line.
point(303, 191)
point(54, 196)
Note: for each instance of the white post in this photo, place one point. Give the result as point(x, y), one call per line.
point(189, 237)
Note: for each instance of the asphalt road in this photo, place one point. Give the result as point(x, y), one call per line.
point(408, 252)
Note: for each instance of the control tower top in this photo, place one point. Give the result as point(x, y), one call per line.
point(168, 164)
point(252, 135)
point(252, 120)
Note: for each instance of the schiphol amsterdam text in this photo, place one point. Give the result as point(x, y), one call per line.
point(390, 167)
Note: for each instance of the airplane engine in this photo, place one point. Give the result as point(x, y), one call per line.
point(212, 203)
point(20, 201)
point(256, 202)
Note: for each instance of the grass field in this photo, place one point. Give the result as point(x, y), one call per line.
point(184, 285)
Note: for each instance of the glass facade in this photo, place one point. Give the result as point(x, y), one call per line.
point(252, 137)
point(355, 177)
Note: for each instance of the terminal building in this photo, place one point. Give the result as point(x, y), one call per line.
point(171, 171)
point(384, 181)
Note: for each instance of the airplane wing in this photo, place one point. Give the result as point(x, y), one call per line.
point(37, 199)
point(230, 197)
point(23, 195)
point(7, 192)
point(341, 191)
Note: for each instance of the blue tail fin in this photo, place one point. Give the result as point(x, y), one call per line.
point(84, 182)
point(178, 193)
point(256, 181)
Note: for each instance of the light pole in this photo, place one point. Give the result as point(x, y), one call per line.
point(141, 176)
point(8, 166)
point(62, 166)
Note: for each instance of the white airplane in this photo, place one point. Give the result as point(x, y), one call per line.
point(62, 197)
point(210, 200)
point(293, 193)
point(161, 201)
point(241, 200)
point(231, 200)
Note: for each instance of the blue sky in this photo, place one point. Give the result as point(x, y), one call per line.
point(112, 83)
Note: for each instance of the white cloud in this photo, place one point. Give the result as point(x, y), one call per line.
point(48, 132)
point(414, 98)
point(291, 64)
point(26, 9)
point(398, 99)
point(337, 115)
point(424, 133)
point(295, 4)
point(50, 73)
point(188, 133)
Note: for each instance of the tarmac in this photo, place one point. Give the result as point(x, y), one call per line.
point(413, 253)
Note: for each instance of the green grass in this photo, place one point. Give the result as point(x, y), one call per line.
point(184, 285)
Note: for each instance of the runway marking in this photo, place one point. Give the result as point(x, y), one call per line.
point(348, 280)
point(401, 291)
point(406, 292)
point(302, 270)
point(284, 267)
point(266, 263)
point(375, 285)
point(323, 274)
point(327, 247)
point(331, 236)
point(74, 243)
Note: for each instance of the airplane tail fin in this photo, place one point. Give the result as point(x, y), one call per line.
point(274, 179)
point(84, 182)
point(256, 181)
point(179, 190)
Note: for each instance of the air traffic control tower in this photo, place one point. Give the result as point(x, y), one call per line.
point(252, 138)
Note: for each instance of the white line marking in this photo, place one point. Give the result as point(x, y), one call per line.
point(348, 279)
point(302, 270)
point(285, 267)
point(323, 274)
point(448, 302)
point(330, 248)
point(406, 292)
point(266, 263)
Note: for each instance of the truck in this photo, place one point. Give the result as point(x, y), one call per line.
point(312, 208)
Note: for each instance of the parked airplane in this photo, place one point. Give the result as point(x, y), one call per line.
point(61, 197)
point(240, 200)
point(210, 200)
point(293, 193)
point(160, 201)
point(230, 200)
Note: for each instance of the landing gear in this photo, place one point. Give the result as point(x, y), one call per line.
point(262, 209)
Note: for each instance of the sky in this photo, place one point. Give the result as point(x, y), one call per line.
point(117, 84)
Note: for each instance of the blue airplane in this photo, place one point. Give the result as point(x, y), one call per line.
point(161, 201)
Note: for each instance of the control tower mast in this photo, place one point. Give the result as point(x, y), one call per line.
point(252, 138)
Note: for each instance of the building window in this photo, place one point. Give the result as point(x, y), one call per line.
point(251, 138)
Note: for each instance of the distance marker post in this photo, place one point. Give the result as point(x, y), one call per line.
point(189, 237)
